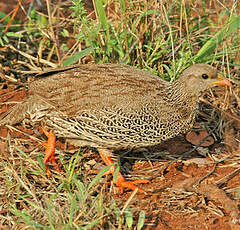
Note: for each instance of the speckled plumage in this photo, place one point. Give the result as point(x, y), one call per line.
point(112, 106)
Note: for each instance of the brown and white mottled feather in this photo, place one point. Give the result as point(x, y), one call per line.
point(112, 106)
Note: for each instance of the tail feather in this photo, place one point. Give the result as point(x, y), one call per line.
point(16, 114)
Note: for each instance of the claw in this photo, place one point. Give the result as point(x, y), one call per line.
point(121, 181)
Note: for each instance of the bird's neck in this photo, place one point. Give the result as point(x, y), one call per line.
point(180, 95)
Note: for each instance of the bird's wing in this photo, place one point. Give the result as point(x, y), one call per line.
point(95, 87)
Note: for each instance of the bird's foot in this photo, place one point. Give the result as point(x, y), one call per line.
point(49, 152)
point(121, 182)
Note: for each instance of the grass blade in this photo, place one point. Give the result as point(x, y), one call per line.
point(225, 32)
point(141, 220)
point(77, 56)
point(102, 18)
point(129, 217)
point(99, 175)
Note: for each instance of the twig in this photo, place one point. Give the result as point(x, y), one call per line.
point(26, 134)
point(32, 58)
point(208, 174)
point(10, 79)
point(228, 177)
point(52, 31)
point(13, 16)
point(224, 112)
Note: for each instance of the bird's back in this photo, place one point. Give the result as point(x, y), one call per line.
point(98, 86)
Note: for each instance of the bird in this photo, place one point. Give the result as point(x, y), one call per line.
point(112, 107)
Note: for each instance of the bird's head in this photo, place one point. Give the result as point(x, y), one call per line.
point(199, 77)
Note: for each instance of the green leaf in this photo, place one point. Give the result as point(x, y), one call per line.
point(117, 213)
point(102, 17)
point(99, 175)
point(33, 204)
point(225, 32)
point(129, 217)
point(73, 208)
point(141, 220)
point(5, 38)
point(136, 21)
point(13, 34)
point(116, 171)
point(65, 33)
point(92, 224)
point(82, 191)
point(77, 56)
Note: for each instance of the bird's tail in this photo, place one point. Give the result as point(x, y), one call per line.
point(15, 115)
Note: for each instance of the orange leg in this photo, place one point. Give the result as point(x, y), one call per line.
point(121, 182)
point(49, 152)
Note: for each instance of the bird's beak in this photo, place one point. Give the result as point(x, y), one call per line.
point(222, 81)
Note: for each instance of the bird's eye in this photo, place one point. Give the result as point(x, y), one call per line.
point(205, 76)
